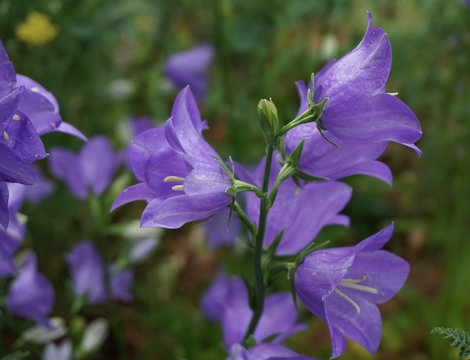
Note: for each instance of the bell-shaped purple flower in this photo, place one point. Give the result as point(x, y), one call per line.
point(31, 294)
point(226, 301)
point(219, 232)
point(179, 176)
point(265, 351)
point(189, 67)
point(359, 115)
point(94, 166)
point(300, 212)
point(343, 285)
point(87, 270)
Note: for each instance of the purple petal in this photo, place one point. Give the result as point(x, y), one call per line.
point(207, 179)
point(133, 193)
point(302, 90)
point(142, 147)
point(174, 212)
point(67, 128)
point(320, 273)
point(22, 138)
point(364, 70)
point(364, 328)
point(66, 166)
point(8, 106)
point(269, 351)
point(13, 170)
point(87, 271)
point(190, 68)
point(7, 72)
point(162, 163)
point(384, 271)
point(187, 126)
point(4, 212)
point(120, 283)
point(39, 105)
point(141, 124)
point(99, 163)
point(143, 249)
point(376, 241)
point(39, 191)
point(371, 119)
point(31, 294)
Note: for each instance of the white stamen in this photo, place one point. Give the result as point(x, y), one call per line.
point(35, 89)
point(358, 309)
point(393, 93)
point(178, 188)
point(16, 117)
point(5, 135)
point(176, 179)
point(353, 284)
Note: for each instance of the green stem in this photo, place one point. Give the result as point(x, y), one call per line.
point(244, 218)
point(263, 214)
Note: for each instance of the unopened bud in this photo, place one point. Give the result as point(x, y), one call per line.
point(268, 118)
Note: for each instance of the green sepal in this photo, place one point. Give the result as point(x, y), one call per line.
point(311, 91)
point(251, 293)
point(16, 355)
point(222, 164)
point(271, 338)
point(241, 186)
point(268, 118)
point(271, 249)
point(250, 342)
point(308, 250)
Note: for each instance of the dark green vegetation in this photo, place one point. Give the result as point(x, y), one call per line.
point(262, 48)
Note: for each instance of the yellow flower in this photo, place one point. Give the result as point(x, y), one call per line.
point(37, 29)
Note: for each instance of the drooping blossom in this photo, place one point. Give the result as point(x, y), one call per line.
point(87, 269)
point(226, 301)
point(343, 285)
point(179, 176)
point(265, 351)
point(189, 67)
point(359, 116)
point(219, 232)
point(93, 167)
point(300, 212)
point(31, 295)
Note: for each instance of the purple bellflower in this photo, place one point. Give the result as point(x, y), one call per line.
point(87, 270)
point(94, 166)
point(265, 351)
point(359, 115)
point(189, 67)
point(226, 301)
point(179, 175)
point(343, 285)
point(31, 294)
point(119, 283)
point(300, 212)
point(219, 232)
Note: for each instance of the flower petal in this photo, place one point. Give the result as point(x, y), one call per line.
point(142, 147)
point(67, 128)
point(135, 192)
point(376, 241)
point(66, 166)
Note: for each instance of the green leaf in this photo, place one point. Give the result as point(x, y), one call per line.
point(16, 355)
point(459, 339)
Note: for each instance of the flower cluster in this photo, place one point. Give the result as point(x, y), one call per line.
point(345, 122)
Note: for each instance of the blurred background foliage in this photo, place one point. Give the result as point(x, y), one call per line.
point(103, 60)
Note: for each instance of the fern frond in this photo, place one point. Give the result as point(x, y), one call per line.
point(459, 339)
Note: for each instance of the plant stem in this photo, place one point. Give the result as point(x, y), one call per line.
point(242, 216)
point(263, 213)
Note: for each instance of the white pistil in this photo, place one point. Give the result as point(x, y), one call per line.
point(358, 309)
point(178, 188)
point(16, 117)
point(176, 179)
point(5, 135)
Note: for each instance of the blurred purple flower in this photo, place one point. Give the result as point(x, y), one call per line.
point(342, 285)
point(218, 230)
point(189, 67)
point(93, 167)
point(226, 301)
point(31, 294)
point(143, 249)
point(119, 283)
point(179, 176)
point(359, 115)
point(141, 124)
point(265, 351)
point(300, 212)
point(86, 267)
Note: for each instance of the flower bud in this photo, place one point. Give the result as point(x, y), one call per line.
point(268, 118)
